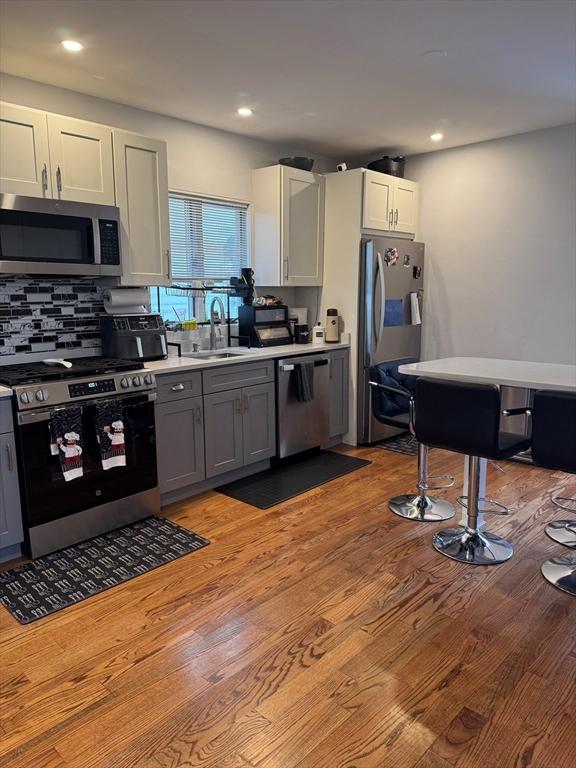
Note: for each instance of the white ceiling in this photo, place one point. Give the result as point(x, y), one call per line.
point(341, 77)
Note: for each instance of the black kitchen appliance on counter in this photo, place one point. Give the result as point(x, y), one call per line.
point(134, 337)
point(265, 325)
point(62, 507)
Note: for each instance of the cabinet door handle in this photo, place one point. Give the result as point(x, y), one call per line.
point(238, 405)
point(198, 414)
point(177, 388)
point(246, 404)
point(44, 180)
point(10, 458)
point(391, 218)
point(396, 217)
point(59, 180)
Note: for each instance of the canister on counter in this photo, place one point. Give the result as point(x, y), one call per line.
point(332, 326)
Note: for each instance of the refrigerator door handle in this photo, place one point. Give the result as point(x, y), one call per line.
point(368, 310)
point(382, 300)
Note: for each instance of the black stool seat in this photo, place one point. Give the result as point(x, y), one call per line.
point(465, 418)
point(509, 444)
point(554, 447)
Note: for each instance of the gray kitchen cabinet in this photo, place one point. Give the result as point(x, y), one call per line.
point(240, 428)
point(223, 427)
point(259, 422)
point(180, 443)
point(11, 530)
point(339, 374)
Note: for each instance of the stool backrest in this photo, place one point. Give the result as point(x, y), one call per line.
point(554, 430)
point(386, 405)
point(459, 417)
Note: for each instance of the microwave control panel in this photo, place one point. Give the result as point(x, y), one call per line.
point(109, 242)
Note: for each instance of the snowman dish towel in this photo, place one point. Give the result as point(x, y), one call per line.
point(66, 440)
point(110, 426)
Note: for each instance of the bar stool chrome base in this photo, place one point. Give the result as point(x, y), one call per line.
point(561, 572)
point(562, 531)
point(421, 508)
point(472, 546)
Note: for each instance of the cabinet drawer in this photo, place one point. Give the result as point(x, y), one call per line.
point(6, 423)
point(176, 386)
point(236, 376)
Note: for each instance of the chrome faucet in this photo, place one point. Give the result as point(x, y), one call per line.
point(215, 300)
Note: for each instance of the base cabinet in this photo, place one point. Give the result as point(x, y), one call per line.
point(180, 443)
point(223, 432)
point(339, 375)
point(240, 428)
point(11, 529)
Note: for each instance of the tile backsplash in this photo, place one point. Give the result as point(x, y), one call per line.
point(39, 316)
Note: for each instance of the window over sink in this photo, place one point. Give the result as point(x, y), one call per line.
point(209, 244)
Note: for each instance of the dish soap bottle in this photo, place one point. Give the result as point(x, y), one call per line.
point(318, 334)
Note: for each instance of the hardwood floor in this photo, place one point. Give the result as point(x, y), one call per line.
point(324, 633)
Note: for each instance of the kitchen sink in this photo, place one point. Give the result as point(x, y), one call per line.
point(213, 355)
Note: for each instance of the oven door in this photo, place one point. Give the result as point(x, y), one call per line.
point(47, 496)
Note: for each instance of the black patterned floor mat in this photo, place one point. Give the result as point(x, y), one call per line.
point(291, 478)
point(70, 575)
point(404, 443)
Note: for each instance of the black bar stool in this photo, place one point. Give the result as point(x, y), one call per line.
point(393, 404)
point(465, 418)
point(554, 447)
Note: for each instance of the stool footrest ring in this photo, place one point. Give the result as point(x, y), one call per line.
point(498, 508)
point(425, 485)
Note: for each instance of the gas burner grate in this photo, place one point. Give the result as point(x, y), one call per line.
point(33, 373)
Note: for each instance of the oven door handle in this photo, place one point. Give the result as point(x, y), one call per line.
point(33, 417)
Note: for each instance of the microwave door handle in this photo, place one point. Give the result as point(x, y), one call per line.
point(97, 246)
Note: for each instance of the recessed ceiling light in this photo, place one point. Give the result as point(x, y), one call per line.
point(72, 45)
point(245, 112)
point(436, 136)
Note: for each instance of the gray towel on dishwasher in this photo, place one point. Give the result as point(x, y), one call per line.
point(304, 382)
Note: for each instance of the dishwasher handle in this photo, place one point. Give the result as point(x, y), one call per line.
point(285, 367)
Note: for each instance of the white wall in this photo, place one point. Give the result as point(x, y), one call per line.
point(201, 160)
point(498, 219)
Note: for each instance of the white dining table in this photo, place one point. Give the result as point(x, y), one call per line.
point(505, 373)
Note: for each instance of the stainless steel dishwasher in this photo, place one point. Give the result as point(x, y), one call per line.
point(302, 425)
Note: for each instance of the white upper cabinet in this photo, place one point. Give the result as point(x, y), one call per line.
point(141, 177)
point(378, 192)
point(288, 234)
point(81, 160)
point(390, 204)
point(405, 206)
point(24, 157)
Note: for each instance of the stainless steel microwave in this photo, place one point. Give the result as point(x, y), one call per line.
point(58, 237)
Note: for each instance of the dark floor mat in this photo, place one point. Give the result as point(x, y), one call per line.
point(280, 483)
point(63, 578)
point(404, 443)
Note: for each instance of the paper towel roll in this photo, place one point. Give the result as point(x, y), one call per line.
point(126, 301)
point(415, 309)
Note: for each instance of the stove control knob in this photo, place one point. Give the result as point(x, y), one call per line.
point(137, 381)
point(25, 397)
point(41, 395)
point(148, 379)
point(125, 383)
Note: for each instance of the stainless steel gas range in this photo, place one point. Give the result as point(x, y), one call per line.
point(86, 448)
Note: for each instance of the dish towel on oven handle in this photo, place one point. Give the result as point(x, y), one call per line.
point(110, 426)
point(65, 428)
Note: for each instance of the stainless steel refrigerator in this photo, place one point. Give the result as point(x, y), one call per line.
point(390, 306)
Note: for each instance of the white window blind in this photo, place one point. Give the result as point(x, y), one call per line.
point(208, 238)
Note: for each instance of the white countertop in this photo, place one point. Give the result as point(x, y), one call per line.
point(509, 373)
point(174, 363)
